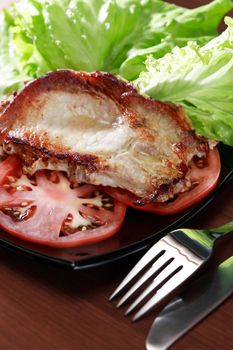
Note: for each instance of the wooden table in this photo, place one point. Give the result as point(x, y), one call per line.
point(45, 308)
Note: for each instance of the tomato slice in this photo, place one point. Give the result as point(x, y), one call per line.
point(8, 167)
point(205, 179)
point(46, 210)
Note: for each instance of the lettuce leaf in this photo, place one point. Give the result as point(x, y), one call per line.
point(37, 36)
point(81, 34)
point(172, 26)
point(201, 80)
point(11, 74)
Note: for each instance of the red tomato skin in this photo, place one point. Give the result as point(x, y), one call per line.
point(209, 178)
point(53, 201)
point(73, 244)
point(185, 199)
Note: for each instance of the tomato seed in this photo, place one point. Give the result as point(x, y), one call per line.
point(108, 205)
point(24, 204)
point(11, 179)
point(99, 223)
point(6, 186)
point(89, 205)
point(69, 217)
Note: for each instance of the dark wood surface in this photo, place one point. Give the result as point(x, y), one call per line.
point(43, 307)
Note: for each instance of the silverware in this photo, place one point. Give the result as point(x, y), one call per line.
point(170, 261)
point(181, 314)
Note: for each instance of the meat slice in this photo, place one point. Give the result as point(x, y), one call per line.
point(99, 130)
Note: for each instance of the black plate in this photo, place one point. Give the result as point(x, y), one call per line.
point(139, 231)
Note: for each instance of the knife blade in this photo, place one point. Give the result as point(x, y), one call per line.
point(182, 313)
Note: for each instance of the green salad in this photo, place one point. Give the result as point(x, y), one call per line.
point(169, 52)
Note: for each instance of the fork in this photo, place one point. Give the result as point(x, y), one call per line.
point(167, 264)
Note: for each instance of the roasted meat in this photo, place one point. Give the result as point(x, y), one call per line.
point(99, 130)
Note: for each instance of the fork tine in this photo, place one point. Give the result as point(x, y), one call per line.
point(167, 288)
point(153, 252)
point(159, 264)
point(171, 268)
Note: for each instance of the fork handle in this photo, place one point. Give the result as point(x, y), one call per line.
point(217, 235)
point(222, 230)
point(206, 239)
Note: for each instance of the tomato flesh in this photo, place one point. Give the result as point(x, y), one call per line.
point(8, 167)
point(205, 180)
point(46, 210)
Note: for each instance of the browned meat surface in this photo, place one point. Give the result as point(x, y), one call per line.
point(99, 130)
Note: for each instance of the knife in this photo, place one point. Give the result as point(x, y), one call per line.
point(182, 313)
